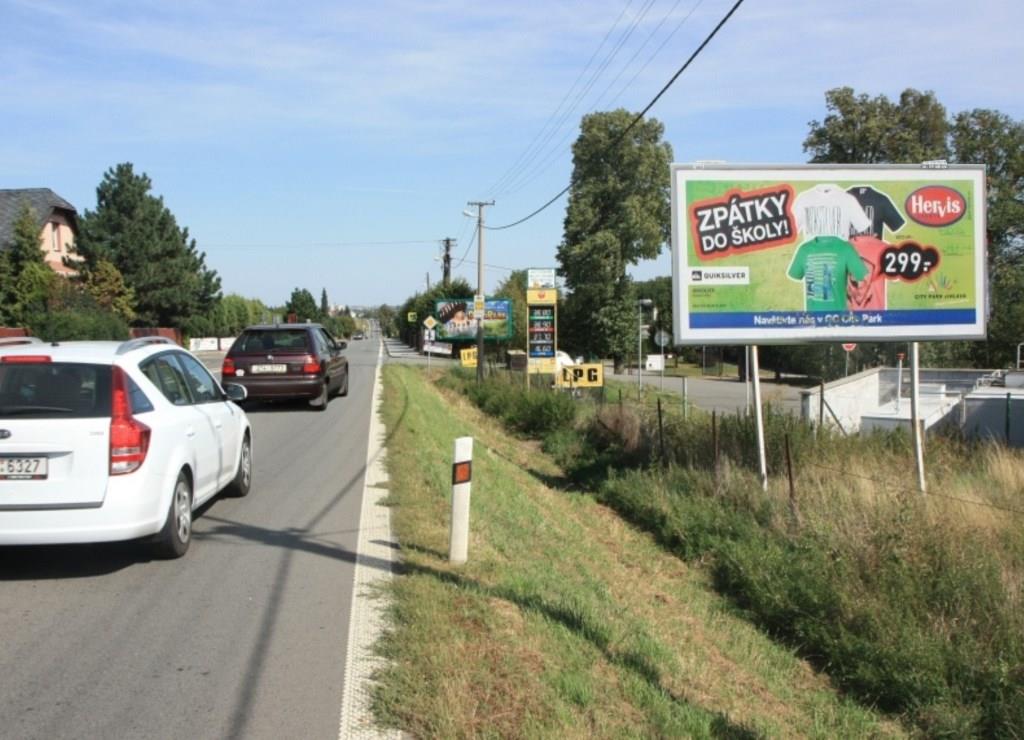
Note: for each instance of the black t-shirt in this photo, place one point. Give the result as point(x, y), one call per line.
point(879, 208)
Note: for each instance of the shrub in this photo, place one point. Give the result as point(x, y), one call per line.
point(66, 325)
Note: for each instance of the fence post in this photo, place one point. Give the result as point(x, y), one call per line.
point(661, 432)
point(821, 403)
point(686, 404)
point(714, 444)
point(1008, 419)
point(794, 512)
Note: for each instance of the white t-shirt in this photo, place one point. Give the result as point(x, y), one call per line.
point(828, 210)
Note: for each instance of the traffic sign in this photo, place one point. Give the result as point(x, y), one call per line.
point(479, 305)
point(411, 317)
point(662, 338)
point(849, 346)
point(430, 322)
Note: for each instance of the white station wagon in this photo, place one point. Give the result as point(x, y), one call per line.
point(104, 441)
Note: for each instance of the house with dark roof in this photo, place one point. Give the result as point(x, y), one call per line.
point(56, 218)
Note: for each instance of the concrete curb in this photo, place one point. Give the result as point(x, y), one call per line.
point(373, 571)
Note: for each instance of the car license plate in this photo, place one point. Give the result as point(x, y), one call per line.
point(22, 468)
point(269, 368)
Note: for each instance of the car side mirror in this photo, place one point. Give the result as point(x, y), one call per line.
point(341, 344)
point(235, 392)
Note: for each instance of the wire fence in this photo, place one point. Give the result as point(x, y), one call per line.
point(667, 420)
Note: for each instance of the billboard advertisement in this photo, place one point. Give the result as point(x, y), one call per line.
point(828, 253)
point(455, 320)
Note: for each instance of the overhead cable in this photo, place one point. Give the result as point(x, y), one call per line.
point(636, 120)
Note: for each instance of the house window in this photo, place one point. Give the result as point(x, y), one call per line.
point(55, 236)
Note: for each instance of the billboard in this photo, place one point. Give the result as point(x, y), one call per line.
point(828, 253)
point(457, 323)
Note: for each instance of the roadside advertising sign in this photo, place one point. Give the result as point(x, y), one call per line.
point(467, 357)
point(455, 321)
point(590, 375)
point(540, 278)
point(828, 253)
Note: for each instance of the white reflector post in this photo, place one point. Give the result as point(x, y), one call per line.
point(462, 476)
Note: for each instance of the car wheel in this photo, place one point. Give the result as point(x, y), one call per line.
point(243, 478)
point(320, 402)
point(344, 384)
point(173, 540)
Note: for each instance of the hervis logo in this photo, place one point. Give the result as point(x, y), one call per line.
point(936, 205)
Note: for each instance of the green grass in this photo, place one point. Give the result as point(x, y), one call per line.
point(911, 604)
point(566, 621)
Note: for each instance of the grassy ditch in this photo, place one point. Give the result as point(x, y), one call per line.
point(566, 621)
point(909, 603)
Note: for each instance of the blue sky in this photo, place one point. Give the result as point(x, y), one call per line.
point(333, 144)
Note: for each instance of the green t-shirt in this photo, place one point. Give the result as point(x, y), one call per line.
point(823, 264)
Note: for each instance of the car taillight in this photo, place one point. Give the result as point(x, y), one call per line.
point(25, 359)
point(227, 370)
point(311, 366)
point(129, 437)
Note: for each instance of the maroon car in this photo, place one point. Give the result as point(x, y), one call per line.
point(283, 361)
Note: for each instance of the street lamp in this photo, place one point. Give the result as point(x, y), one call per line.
point(640, 304)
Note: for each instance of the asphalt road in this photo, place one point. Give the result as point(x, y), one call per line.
point(244, 637)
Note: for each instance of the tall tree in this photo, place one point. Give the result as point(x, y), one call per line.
point(991, 138)
point(135, 231)
point(325, 308)
point(23, 279)
point(863, 130)
point(618, 214)
point(303, 305)
point(514, 289)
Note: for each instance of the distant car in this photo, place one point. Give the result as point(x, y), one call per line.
point(287, 361)
point(358, 335)
point(104, 441)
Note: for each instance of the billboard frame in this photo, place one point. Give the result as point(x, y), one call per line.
point(819, 326)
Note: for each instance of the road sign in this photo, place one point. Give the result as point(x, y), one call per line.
point(849, 347)
point(430, 322)
point(479, 304)
point(662, 338)
point(411, 317)
point(581, 376)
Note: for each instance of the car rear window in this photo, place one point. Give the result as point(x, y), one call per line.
point(54, 390)
point(272, 340)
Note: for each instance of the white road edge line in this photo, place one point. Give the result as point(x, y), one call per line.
point(374, 556)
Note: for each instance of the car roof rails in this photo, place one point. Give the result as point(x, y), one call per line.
point(12, 341)
point(140, 342)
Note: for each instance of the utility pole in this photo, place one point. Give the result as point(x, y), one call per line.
point(428, 281)
point(480, 283)
point(446, 261)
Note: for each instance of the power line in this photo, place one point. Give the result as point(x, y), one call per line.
point(553, 156)
point(311, 245)
point(626, 34)
point(468, 247)
point(638, 117)
point(508, 173)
